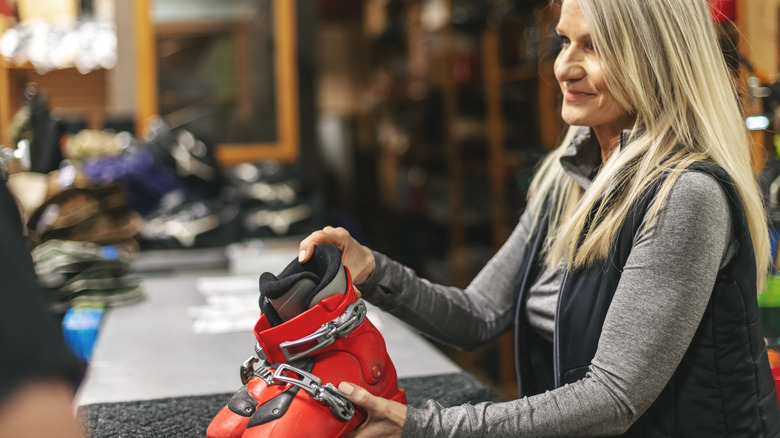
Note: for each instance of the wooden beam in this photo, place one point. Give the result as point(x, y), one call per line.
point(5, 104)
point(286, 47)
point(145, 64)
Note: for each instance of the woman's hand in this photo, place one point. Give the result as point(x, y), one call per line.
point(385, 417)
point(356, 257)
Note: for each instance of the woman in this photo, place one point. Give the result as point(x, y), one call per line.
point(631, 279)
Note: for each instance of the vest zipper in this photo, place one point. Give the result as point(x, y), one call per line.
point(556, 355)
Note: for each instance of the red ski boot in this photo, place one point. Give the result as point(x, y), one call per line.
point(312, 335)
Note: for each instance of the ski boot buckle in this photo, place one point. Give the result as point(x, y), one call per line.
point(340, 327)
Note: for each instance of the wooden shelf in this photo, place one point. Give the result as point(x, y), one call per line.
point(25, 66)
point(70, 94)
point(475, 197)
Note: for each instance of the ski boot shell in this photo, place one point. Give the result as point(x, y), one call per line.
point(303, 358)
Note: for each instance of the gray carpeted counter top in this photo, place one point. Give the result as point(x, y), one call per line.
point(190, 416)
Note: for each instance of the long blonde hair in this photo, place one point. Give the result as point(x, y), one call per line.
point(662, 63)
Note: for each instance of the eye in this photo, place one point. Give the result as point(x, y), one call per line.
point(565, 41)
point(589, 45)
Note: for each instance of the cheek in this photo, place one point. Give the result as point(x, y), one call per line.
point(610, 105)
point(595, 73)
point(607, 102)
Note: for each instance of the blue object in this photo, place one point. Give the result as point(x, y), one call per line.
point(80, 327)
point(109, 252)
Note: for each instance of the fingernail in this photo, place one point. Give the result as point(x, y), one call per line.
point(346, 388)
point(302, 255)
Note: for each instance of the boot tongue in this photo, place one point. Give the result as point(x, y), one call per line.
point(301, 286)
point(290, 296)
point(337, 285)
point(291, 303)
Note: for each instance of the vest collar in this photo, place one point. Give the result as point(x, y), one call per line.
point(582, 158)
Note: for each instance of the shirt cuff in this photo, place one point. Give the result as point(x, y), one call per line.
point(371, 285)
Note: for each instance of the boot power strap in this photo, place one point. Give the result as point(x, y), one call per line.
point(327, 333)
point(327, 394)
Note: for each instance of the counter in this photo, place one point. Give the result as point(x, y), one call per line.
point(152, 375)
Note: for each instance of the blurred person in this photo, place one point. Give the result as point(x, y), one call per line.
point(631, 279)
point(38, 373)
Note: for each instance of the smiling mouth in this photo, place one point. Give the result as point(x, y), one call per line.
point(576, 95)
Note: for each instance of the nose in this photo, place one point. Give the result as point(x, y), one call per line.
point(569, 65)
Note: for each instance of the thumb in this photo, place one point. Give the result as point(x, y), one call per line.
point(359, 396)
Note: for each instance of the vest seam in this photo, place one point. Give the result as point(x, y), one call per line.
point(716, 364)
point(759, 400)
point(753, 360)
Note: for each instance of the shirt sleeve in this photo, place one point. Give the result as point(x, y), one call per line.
point(31, 344)
point(466, 318)
point(658, 304)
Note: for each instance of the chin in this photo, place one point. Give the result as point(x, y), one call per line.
point(573, 119)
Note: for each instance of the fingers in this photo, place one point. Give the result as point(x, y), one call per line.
point(359, 396)
point(385, 418)
point(336, 236)
point(356, 257)
point(349, 389)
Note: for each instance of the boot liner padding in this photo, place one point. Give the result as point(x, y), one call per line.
point(321, 271)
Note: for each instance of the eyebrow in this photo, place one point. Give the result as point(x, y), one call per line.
point(588, 38)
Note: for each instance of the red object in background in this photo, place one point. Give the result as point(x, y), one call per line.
point(6, 9)
point(774, 364)
point(723, 10)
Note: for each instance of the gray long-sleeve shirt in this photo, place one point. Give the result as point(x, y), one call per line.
point(656, 309)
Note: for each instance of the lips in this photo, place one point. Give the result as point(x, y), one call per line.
point(574, 95)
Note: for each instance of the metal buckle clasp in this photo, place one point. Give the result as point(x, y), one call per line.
point(340, 327)
point(248, 369)
point(335, 400)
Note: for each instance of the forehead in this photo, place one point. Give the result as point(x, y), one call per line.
point(572, 19)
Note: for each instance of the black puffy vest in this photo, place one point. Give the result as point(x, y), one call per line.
point(723, 385)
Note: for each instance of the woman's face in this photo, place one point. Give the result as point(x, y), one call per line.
point(586, 99)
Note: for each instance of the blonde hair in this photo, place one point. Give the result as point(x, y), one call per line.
point(662, 63)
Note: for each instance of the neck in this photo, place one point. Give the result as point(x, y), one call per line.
point(608, 143)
